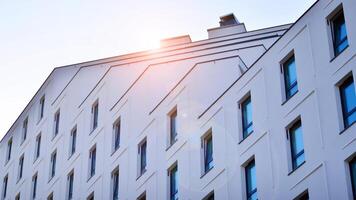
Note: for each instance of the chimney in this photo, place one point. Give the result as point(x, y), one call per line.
point(228, 25)
point(184, 39)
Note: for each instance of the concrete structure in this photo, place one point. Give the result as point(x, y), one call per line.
point(184, 111)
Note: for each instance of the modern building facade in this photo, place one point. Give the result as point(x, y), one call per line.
point(263, 114)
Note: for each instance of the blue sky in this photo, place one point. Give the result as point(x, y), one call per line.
point(38, 35)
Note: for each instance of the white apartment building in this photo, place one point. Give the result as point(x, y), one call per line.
point(263, 114)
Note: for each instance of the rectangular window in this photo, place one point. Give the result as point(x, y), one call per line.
point(4, 186)
point(339, 33)
point(70, 185)
point(91, 196)
point(142, 156)
point(50, 196)
point(246, 113)
point(210, 196)
point(24, 130)
point(95, 115)
point(303, 196)
point(296, 144)
point(115, 184)
point(20, 169)
point(92, 161)
point(42, 105)
point(73, 141)
point(173, 183)
point(352, 165)
point(53, 164)
point(251, 184)
point(56, 123)
point(348, 101)
point(208, 152)
point(290, 77)
point(173, 127)
point(142, 196)
point(9, 148)
point(117, 134)
point(34, 186)
point(38, 147)
point(18, 197)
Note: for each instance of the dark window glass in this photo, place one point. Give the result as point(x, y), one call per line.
point(210, 196)
point(53, 164)
point(24, 131)
point(21, 167)
point(42, 103)
point(34, 186)
point(70, 186)
point(50, 197)
point(297, 145)
point(290, 77)
point(173, 127)
point(348, 100)
point(208, 153)
point(251, 186)
point(115, 178)
point(353, 176)
point(18, 196)
point(92, 162)
point(339, 33)
point(173, 179)
point(56, 123)
point(117, 135)
point(38, 147)
point(73, 141)
point(9, 147)
point(143, 161)
point(142, 197)
point(95, 111)
point(4, 190)
point(246, 117)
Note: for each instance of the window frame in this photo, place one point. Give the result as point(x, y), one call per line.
point(41, 108)
point(243, 106)
point(73, 141)
point(345, 115)
point(95, 115)
point(352, 174)
point(5, 186)
point(24, 130)
point(37, 147)
point(295, 155)
point(250, 164)
point(57, 116)
point(142, 168)
point(334, 16)
point(115, 184)
point(92, 162)
point(285, 70)
point(20, 167)
point(70, 185)
point(53, 163)
point(34, 186)
point(116, 142)
point(208, 164)
point(172, 122)
point(173, 195)
point(9, 150)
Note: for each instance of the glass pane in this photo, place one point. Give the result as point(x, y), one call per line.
point(247, 117)
point(353, 175)
point(299, 160)
point(297, 137)
point(348, 99)
point(340, 33)
point(290, 74)
point(251, 185)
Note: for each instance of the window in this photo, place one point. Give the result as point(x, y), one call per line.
point(91, 196)
point(20, 169)
point(70, 185)
point(296, 144)
point(92, 161)
point(173, 183)
point(246, 113)
point(115, 184)
point(53, 164)
point(95, 115)
point(4, 186)
point(290, 77)
point(9, 147)
point(208, 152)
point(352, 165)
point(73, 141)
point(34, 186)
point(24, 130)
point(56, 123)
point(38, 147)
point(303, 196)
point(142, 151)
point(142, 196)
point(339, 33)
point(210, 196)
point(348, 101)
point(173, 127)
point(117, 134)
point(17, 196)
point(251, 186)
point(50, 196)
point(41, 111)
